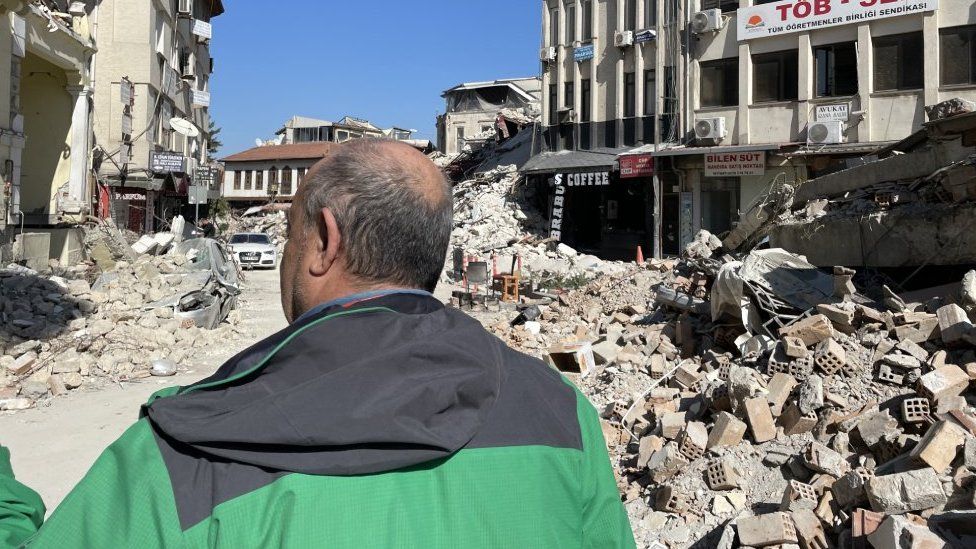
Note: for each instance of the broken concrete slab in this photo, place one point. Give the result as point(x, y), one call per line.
point(904, 492)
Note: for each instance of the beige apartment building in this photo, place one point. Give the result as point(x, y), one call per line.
point(153, 66)
point(46, 50)
point(475, 109)
point(701, 108)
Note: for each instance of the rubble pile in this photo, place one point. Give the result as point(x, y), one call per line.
point(493, 216)
point(755, 401)
point(66, 329)
point(272, 223)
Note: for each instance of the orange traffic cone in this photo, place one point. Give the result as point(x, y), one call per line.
point(640, 256)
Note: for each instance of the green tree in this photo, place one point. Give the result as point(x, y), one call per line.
point(214, 144)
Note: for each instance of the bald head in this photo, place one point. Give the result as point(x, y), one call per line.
point(392, 206)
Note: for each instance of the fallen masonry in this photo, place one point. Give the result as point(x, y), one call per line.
point(110, 319)
point(838, 419)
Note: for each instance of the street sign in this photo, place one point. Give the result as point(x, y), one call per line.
point(165, 162)
point(198, 194)
point(205, 176)
point(583, 53)
point(636, 165)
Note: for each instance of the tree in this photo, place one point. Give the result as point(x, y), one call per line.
point(214, 144)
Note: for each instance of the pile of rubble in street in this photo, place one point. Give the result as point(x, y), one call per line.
point(138, 315)
point(493, 216)
point(753, 400)
point(270, 220)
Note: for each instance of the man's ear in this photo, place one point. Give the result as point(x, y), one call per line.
point(327, 245)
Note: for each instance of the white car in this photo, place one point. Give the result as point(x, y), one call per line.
point(254, 250)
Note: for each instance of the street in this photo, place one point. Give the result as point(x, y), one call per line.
point(52, 447)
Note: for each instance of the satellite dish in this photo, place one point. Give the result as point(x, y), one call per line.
point(258, 142)
point(184, 127)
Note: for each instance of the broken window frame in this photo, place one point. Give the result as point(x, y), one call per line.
point(950, 59)
point(784, 74)
point(825, 65)
point(898, 62)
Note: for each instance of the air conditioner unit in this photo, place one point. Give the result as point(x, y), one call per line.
point(185, 8)
point(827, 132)
point(710, 128)
point(547, 55)
point(623, 39)
point(707, 21)
point(567, 116)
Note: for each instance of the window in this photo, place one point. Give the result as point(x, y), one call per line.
point(836, 69)
point(584, 100)
point(724, 5)
point(630, 95)
point(569, 97)
point(237, 180)
point(286, 189)
point(957, 55)
point(587, 7)
point(301, 176)
point(247, 180)
point(273, 180)
point(650, 93)
point(460, 138)
point(630, 15)
point(259, 180)
point(553, 105)
point(554, 26)
point(898, 62)
point(571, 21)
point(775, 76)
point(720, 83)
point(650, 14)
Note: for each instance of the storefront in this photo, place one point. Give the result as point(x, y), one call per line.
point(596, 209)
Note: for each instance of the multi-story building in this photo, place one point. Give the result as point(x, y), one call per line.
point(270, 172)
point(45, 73)
point(718, 101)
point(602, 61)
point(474, 108)
point(153, 66)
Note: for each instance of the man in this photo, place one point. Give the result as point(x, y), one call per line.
point(378, 418)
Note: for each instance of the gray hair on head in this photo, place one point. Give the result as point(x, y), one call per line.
point(393, 211)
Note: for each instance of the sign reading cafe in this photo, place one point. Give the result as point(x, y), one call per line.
point(789, 16)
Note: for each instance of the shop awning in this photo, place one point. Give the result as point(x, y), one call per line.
point(685, 151)
point(572, 160)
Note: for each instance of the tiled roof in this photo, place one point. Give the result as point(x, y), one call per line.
point(298, 151)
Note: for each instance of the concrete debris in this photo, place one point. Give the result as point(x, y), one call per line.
point(806, 402)
point(118, 317)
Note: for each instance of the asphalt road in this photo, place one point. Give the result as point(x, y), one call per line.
point(54, 446)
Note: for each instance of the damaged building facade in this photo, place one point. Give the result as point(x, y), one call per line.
point(479, 111)
point(154, 68)
point(716, 105)
point(45, 124)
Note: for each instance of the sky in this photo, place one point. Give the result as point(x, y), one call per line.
point(386, 61)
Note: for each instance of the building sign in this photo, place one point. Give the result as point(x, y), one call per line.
point(839, 111)
point(789, 16)
point(648, 35)
point(558, 202)
point(583, 53)
point(202, 29)
point(735, 164)
point(127, 92)
point(636, 165)
point(594, 179)
point(163, 162)
point(201, 99)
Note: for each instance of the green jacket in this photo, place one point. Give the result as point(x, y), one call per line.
point(391, 423)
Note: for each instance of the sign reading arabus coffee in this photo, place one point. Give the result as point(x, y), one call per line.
point(735, 164)
point(789, 16)
point(592, 179)
point(556, 220)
